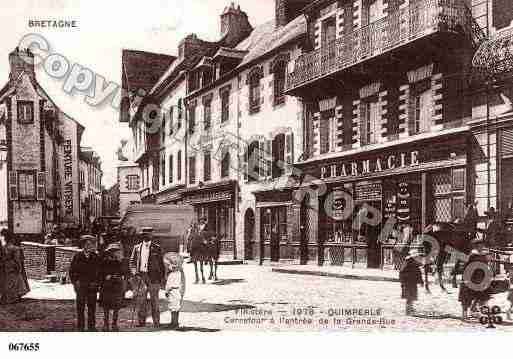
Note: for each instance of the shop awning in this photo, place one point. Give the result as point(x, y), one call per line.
point(495, 56)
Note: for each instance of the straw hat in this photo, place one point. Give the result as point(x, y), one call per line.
point(413, 253)
point(113, 247)
point(173, 258)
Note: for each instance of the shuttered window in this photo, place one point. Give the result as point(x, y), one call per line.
point(507, 143)
point(26, 185)
point(207, 166)
point(41, 186)
point(192, 170)
point(13, 185)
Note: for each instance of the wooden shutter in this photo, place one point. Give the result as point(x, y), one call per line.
point(13, 185)
point(363, 123)
point(262, 159)
point(507, 143)
point(41, 186)
point(289, 151)
point(324, 133)
point(245, 161)
point(268, 158)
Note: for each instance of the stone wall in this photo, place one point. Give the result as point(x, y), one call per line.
point(39, 259)
point(63, 257)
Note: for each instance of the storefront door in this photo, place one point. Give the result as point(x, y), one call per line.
point(368, 233)
point(304, 232)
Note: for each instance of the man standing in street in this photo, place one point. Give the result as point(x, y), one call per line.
point(84, 275)
point(147, 267)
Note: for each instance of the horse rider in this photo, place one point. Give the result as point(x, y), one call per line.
point(147, 267)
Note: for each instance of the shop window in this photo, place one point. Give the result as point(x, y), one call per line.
point(192, 170)
point(25, 112)
point(225, 165)
point(421, 112)
point(274, 223)
point(26, 185)
point(132, 182)
point(207, 166)
point(179, 166)
point(448, 188)
point(370, 121)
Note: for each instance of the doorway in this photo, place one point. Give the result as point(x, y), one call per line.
point(249, 234)
point(304, 230)
point(369, 233)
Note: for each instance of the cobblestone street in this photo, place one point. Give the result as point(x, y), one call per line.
point(246, 297)
point(280, 294)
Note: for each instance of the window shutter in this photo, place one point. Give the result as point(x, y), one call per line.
point(363, 123)
point(245, 160)
point(13, 185)
point(269, 158)
point(324, 133)
point(411, 114)
point(41, 186)
point(289, 151)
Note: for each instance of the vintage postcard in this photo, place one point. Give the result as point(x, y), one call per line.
point(256, 166)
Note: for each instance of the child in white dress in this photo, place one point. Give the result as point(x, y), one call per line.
point(175, 286)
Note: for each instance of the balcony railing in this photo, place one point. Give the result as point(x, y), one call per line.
point(397, 28)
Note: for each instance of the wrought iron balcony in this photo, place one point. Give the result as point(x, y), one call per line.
point(396, 29)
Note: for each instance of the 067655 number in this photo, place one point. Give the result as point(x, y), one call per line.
point(23, 347)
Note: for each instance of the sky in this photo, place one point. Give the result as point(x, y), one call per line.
point(104, 29)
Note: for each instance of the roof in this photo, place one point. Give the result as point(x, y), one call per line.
point(142, 70)
point(228, 52)
point(266, 38)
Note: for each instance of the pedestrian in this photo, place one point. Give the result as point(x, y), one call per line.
point(113, 273)
point(470, 294)
point(84, 275)
point(15, 282)
point(175, 286)
point(493, 232)
point(410, 277)
point(147, 268)
point(3, 243)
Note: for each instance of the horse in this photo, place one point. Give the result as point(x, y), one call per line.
point(198, 253)
point(213, 248)
point(450, 238)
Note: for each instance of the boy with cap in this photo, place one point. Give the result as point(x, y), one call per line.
point(84, 275)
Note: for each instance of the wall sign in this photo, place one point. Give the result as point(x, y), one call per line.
point(368, 191)
point(369, 166)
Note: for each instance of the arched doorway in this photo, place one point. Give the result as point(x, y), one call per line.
point(249, 234)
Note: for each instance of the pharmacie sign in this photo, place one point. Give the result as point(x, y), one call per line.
point(371, 166)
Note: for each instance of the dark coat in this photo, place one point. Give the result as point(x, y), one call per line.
point(493, 233)
point(410, 276)
point(156, 269)
point(112, 292)
point(14, 284)
point(85, 270)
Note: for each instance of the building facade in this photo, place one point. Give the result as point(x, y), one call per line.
point(91, 174)
point(42, 154)
point(394, 129)
point(3, 171)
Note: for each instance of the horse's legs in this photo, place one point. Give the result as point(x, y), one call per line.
point(202, 274)
point(215, 269)
point(454, 274)
point(426, 278)
point(196, 271)
point(440, 271)
point(211, 265)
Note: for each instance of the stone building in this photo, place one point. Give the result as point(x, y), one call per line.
point(42, 153)
point(395, 128)
point(3, 171)
point(91, 206)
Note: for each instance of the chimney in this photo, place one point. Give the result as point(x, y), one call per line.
point(288, 10)
point(21, 60)
point(235, 25)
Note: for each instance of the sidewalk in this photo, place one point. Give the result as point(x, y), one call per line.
point(345, 272)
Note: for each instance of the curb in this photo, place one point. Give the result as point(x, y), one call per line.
point(336, 275)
